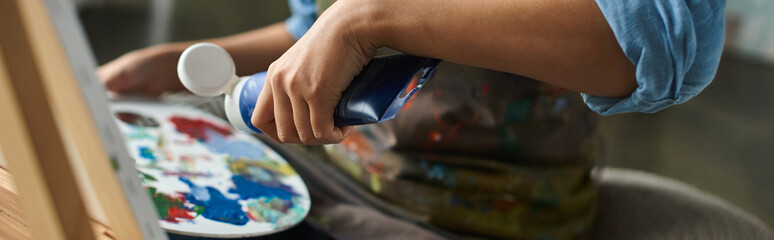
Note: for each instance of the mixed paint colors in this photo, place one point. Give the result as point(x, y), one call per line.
point(206, 178)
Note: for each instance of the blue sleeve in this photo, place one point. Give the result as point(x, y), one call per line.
point(675, 46)
point(304, 13)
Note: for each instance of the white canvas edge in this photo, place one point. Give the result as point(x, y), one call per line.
point(81, 59)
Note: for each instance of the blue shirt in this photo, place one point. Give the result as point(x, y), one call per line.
point(304, 13)
point(675, 46)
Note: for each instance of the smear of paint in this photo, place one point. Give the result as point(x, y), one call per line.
point(357, 143)
point(504, 205)
point(446, 133)
point(376, 183)
point(234, 148)
point(140, 133)
point(168, 155)
point(146, 178)
point(439, 172)
point(187, 174)
point(114, 163)
point(275, 210)
point(485, 90)
point(187, 163)
point(261, 210)
point(136, 119)
point(561, 103)
point(247, 189)
point(186, 158)
point(434, 136)
point(147, 153)
point(261, 168)
point(184, 142)
point(178, 213)
point(436, 172)
point(197, 128)
point(216, 206)
point(413, 84)
point(169, 209)
point(256, 173)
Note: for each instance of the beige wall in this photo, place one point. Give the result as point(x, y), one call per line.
point(750, 25)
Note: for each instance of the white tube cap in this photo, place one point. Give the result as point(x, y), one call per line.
point(206, 69)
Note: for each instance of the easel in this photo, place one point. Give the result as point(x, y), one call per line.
point(57, 137)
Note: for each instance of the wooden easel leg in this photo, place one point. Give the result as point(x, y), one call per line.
point(31, 141)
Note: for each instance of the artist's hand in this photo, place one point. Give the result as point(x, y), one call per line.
point(305, 84)
point(149, 71)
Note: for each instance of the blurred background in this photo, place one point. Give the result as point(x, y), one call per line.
point(722, 141)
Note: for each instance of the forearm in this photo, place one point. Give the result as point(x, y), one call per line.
point(566, 43)
point(252, 51)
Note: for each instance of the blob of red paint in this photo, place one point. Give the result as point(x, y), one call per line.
point(485, 90)
point(176, 213)
point(434, 136)
point(504, 205)
point(252, 216)
point(197, 128)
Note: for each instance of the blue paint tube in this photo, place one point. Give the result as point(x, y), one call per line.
point(375, 95)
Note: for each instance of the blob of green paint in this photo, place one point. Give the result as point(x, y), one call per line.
point(169, 208)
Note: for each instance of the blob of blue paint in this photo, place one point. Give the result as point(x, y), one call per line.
point(441, 173)
point(216, 206)
point(147, 153)
point(235, 148)
point(247, 189)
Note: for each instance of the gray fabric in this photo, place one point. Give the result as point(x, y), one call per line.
point(636, 206)
point(348, 221)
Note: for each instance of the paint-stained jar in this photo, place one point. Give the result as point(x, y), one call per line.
point(483, 152)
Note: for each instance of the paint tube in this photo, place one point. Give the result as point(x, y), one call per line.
point(375, 95)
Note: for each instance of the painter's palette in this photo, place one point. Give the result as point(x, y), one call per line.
point(207, 178)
